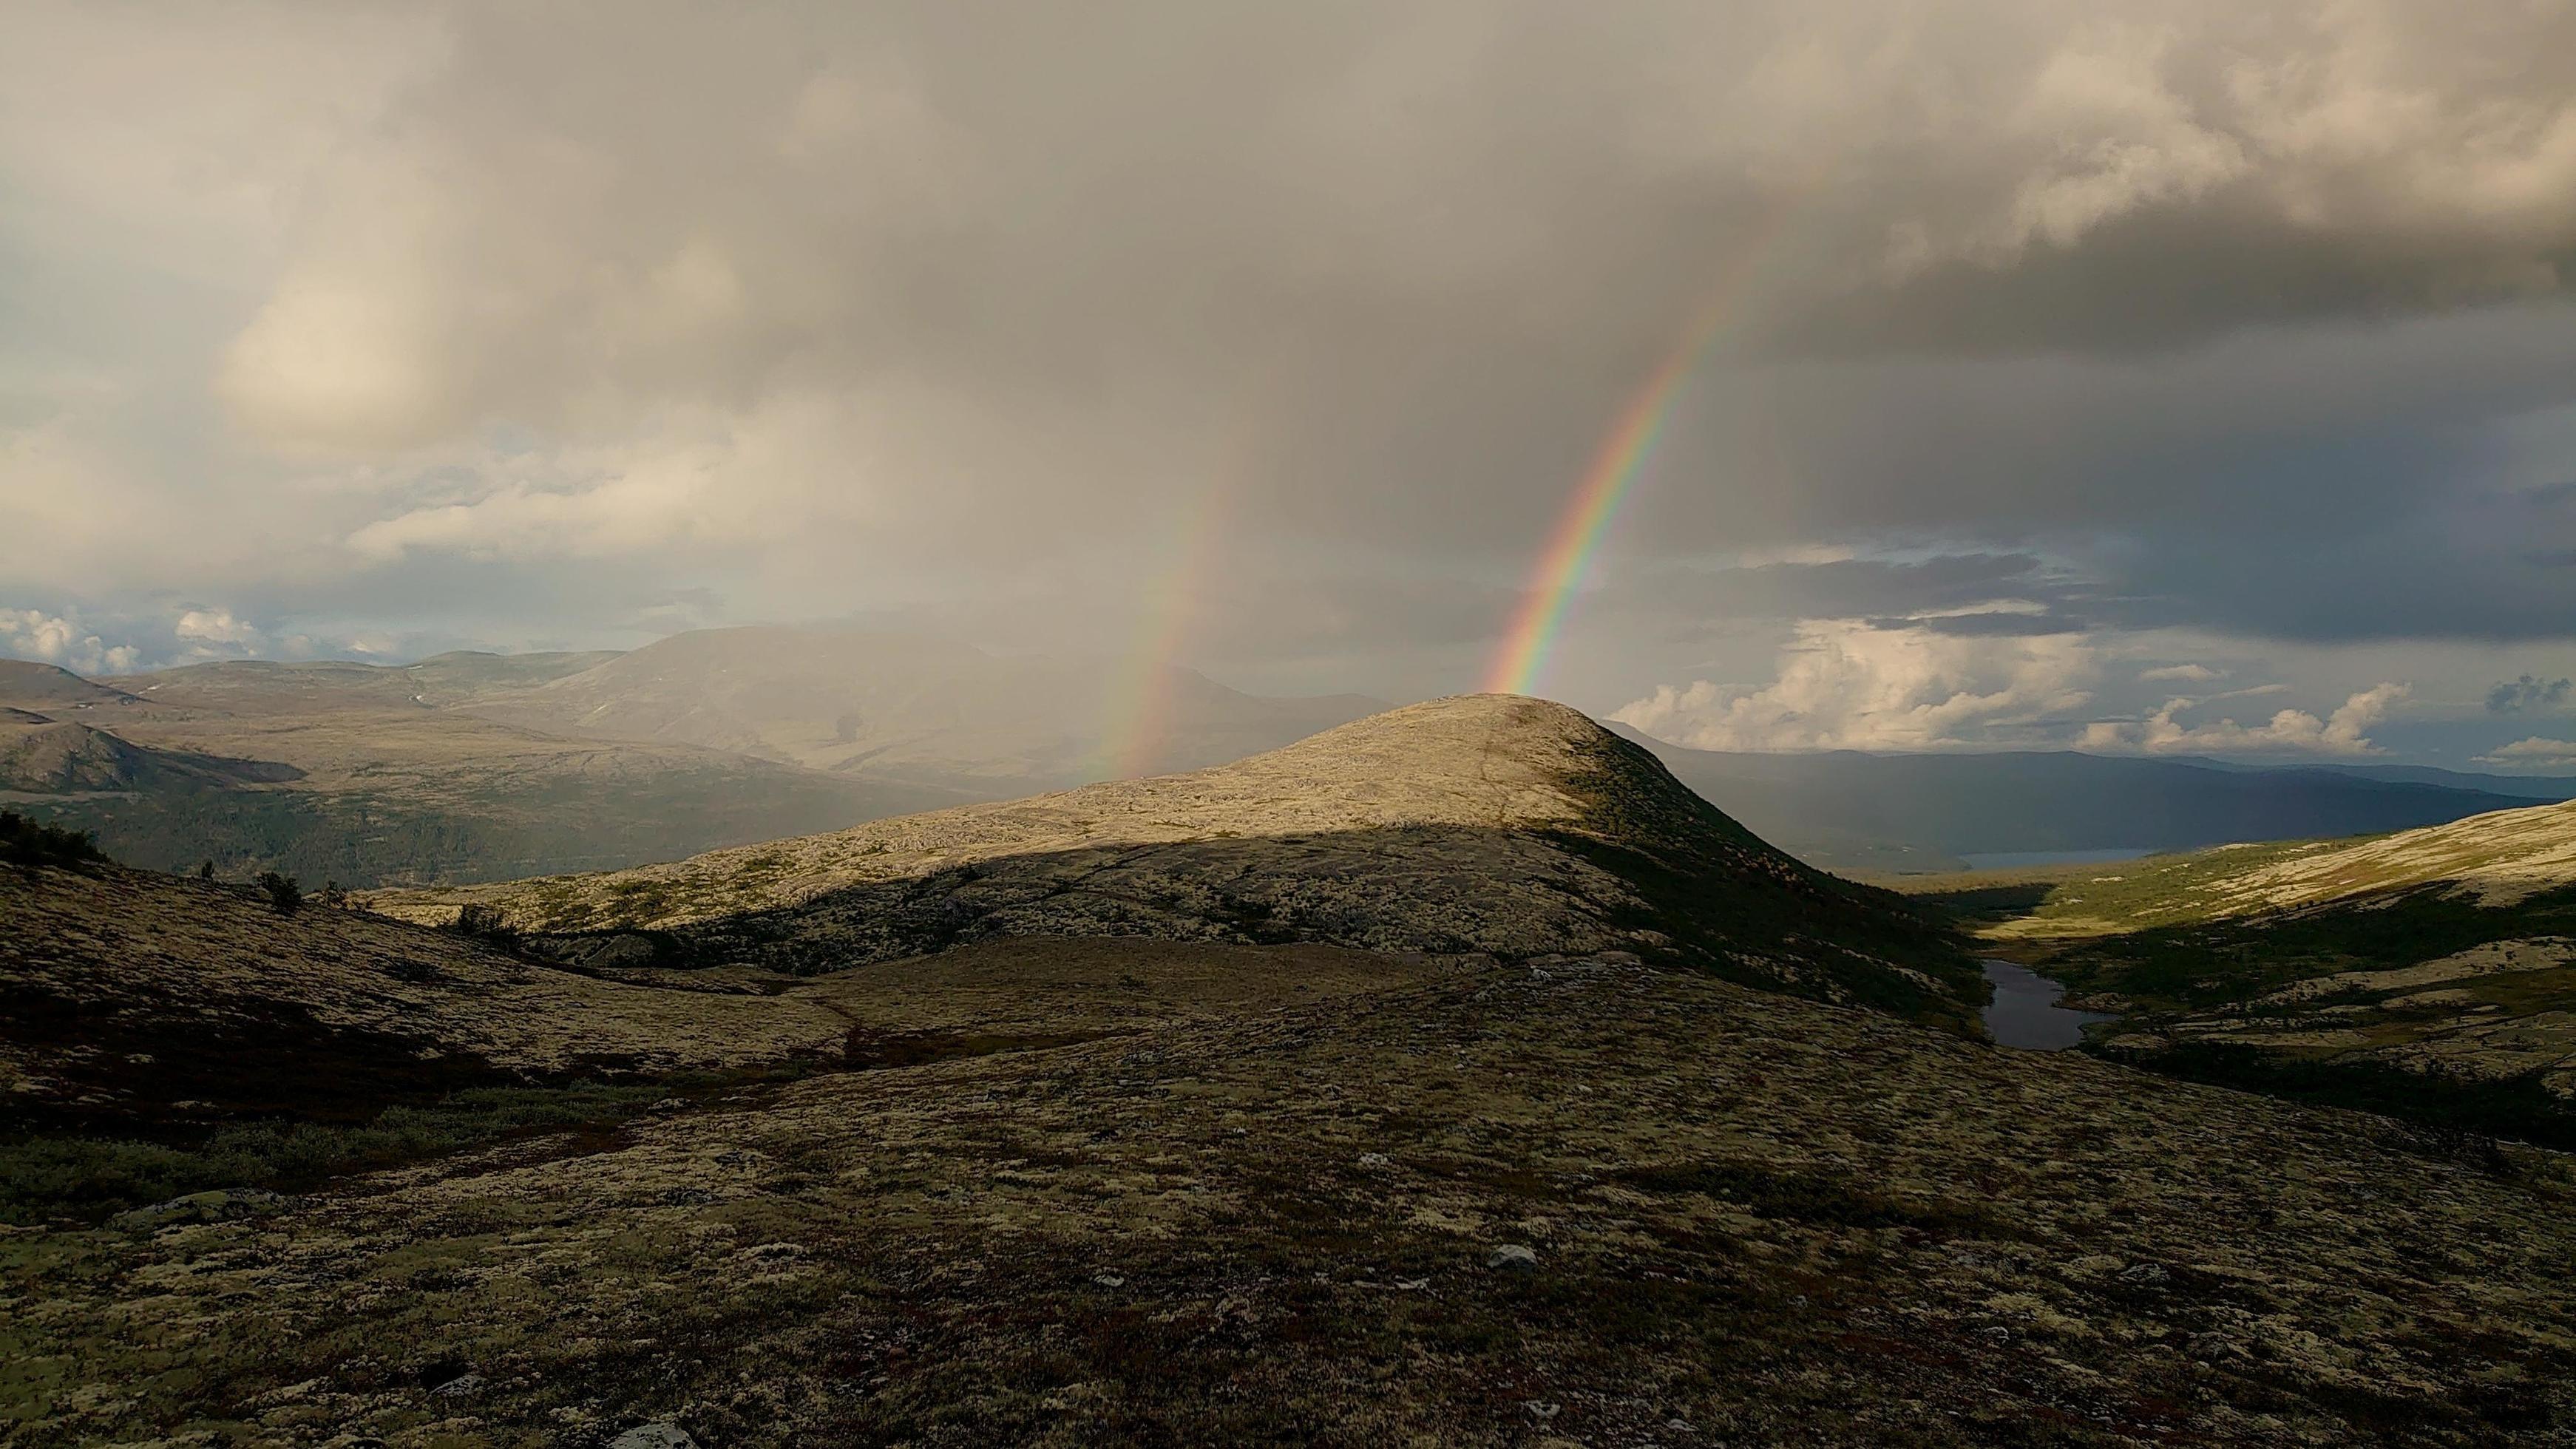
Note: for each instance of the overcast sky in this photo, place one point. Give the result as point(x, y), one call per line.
point(2167, 376)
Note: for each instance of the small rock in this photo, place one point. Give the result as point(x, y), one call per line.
point(1412, 1285)
point(460, 1388)
point(220, 1205)
point(669, 1105)
point(1544, 1412)
point(1513, 1258)
point(660, 1434)
point(1375, 1162)
point(2145, 1275)
point(1108, 1280)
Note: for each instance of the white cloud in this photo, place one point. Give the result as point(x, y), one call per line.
point(2295, 731)
point(1846, 685)
point(31, 634)
point(2184, 673)
point(216, 627)
point(2533, 753)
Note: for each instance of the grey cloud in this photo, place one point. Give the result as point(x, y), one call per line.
point(536, 319)
point(2528, 692)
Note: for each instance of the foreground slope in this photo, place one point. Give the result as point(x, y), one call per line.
point(1733, 1216)
point(1119, 1189)
point(1485, 823)
point(135, 1000)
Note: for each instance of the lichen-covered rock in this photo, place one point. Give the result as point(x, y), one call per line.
point(219, 1205)
point(657, 1435)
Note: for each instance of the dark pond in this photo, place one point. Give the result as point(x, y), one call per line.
point(2025, 1012)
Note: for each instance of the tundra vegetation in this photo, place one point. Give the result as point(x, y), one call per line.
point(1495, 1090)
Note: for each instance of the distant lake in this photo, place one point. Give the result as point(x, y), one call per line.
point(2025, 1012)
point(2023, 859)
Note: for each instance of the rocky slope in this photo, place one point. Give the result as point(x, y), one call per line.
point(328, 1178)
point(1586, 1203)
point(2430, 970)
point(1487, 823)
point(136, 1002)
point(2495, 859)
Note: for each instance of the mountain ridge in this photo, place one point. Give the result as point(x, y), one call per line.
point(1485, 824)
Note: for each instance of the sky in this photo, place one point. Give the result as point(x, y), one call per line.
point(2170, 377)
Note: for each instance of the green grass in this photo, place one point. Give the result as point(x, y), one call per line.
point(2221, 963)
point(2053, 902)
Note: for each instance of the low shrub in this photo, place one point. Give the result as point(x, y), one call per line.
point(31, 843)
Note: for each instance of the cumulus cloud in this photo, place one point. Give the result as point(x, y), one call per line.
point(2533, 754)
point(33, 634)
point(2180, 673)
point(216, 627)
point(2293, 731)
point(1845, 684)
point(2514, 696)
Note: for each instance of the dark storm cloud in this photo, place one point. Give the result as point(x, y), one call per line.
point(527, 317)
point(2514, 696)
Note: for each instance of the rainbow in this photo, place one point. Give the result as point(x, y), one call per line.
point(1139, 715)
point(1615, 467)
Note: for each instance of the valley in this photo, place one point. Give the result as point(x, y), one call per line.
point(2430, 972)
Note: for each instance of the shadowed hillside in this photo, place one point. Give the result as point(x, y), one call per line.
point(1486, 823)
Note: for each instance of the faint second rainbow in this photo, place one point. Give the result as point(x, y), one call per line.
point(1621, 457)
point(1140, 703)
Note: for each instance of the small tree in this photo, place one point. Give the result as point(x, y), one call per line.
point(205, 870)
point(331, 895)
point(284, 896)
point(485, 923)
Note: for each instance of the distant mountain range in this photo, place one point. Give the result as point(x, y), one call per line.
point(1936, 812)
point(472, 766)
point(913, 708)
point(476, 767)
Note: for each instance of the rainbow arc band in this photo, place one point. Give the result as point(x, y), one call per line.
point(1521, 659)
